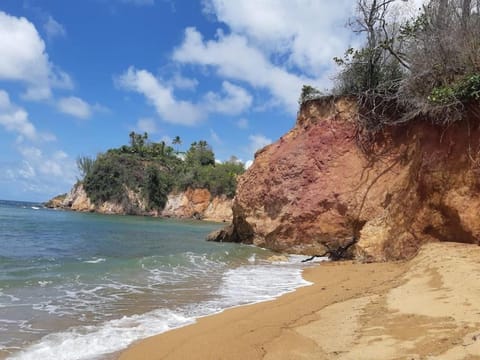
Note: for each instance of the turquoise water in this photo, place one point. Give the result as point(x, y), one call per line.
point(82, 286)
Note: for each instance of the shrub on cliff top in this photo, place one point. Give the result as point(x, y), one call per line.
point(309, 93)
point(428, 65)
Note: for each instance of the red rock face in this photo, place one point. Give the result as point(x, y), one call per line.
point(317, 186)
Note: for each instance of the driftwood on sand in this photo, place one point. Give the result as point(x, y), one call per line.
point(335, 254)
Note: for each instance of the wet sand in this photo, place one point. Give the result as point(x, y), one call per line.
point(425, 308)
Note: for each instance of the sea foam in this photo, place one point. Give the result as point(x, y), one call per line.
point(245, 284)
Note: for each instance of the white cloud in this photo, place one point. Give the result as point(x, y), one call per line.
point(4, 100)
point(167, 139)
point(53, 28)
point(160, 96)
point(15, 119)
point(99, 108)
point(232, 100)
point(274, 45)
point(24, 58)
point(36, 171)
point(235, 100)
point(308, 33)
point(233, 57)
point(26, 171)
point(180, 82)
point(43, 173)
point(257, 142)
point(74, 106)
point(242, 123)
point(214, 136)
point(147, 125)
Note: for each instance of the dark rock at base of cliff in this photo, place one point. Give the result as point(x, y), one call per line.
point(222, 235)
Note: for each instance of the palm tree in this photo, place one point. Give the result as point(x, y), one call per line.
point(177, 141)
point(132, 139)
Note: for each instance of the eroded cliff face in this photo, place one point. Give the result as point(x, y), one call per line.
point(198, 203)
point(317, 186)
point(78, 200)
point(193, 203)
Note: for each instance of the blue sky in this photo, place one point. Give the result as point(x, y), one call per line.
point(77, 76)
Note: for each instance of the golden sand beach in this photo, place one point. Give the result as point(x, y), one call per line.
point(425, 308)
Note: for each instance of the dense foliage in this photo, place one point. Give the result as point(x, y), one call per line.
point(153, 170)
point(426, 65)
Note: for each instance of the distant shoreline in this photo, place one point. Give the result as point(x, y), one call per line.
point(139, 215)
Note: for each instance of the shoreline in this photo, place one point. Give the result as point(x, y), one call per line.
point(152, 216)
point(146, 215)
point(417, 308)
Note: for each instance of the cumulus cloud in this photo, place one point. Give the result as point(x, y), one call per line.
point(215, 138)
point(232, 99)
point(74, 106)
point(38, 163)
point(233, 57)
point(272, 45)
point(160, 96)
point(53, 28)
point(308, 33)
point(37, 171)
point(257, 142)
point(15, 119)
point(180, 82)
point(41, 172)
point(24, 58)
point(147, 125)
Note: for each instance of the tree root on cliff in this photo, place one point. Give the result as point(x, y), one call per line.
point(334, 254)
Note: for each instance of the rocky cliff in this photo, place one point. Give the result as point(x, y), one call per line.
point(198, 203)
point(192, 203)
point(316, 185)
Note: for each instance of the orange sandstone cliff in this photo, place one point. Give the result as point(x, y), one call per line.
point(316, 185)
point(200, 204)
point(192, 203)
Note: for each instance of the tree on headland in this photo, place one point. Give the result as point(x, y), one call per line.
point(138, 141)
point(156, 187)
point(177, 141)
point(200, 153)
point(85, 165)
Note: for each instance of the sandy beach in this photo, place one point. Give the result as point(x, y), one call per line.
point(425, 308)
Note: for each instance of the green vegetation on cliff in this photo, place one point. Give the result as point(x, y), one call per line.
point(411, 64)
point(152, 170)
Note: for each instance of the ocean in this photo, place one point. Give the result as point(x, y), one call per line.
point(85, 286)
